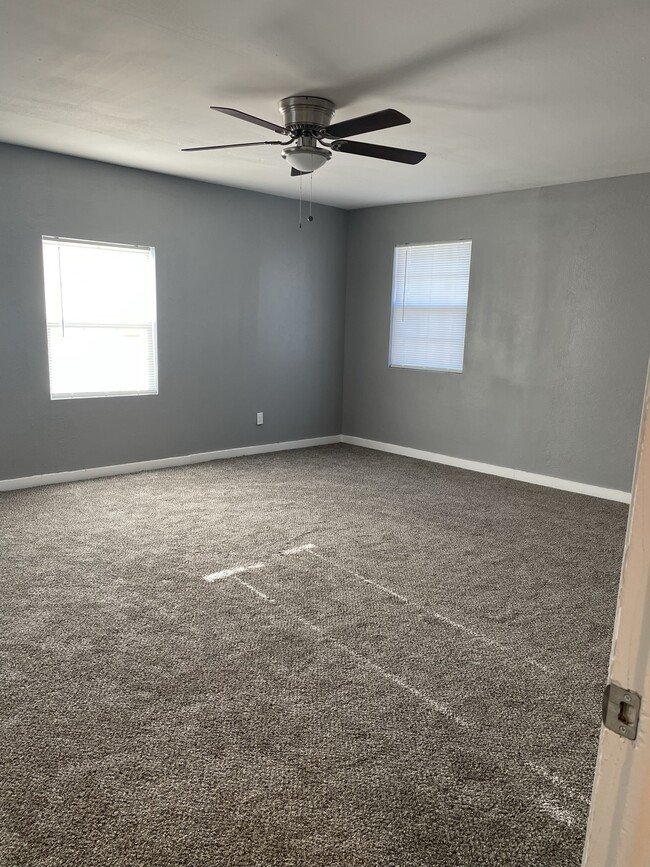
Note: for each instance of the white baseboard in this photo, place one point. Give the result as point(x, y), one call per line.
point(202, 457)
point(161, 463)
point(492, 470)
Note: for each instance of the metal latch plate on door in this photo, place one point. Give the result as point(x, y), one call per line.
point(621, 709)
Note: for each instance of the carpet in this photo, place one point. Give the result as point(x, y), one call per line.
point(323, 657)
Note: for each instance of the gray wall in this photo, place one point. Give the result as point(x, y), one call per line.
point(558, 333)
point(250, 315)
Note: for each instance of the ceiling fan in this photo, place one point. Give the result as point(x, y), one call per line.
point(307, 122)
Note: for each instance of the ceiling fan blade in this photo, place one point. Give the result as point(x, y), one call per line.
point(246, 144)
point(367, 123)
point(233, 112)
point(295, 173)
point(380, 152)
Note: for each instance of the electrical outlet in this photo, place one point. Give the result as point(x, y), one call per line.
point(260, 418)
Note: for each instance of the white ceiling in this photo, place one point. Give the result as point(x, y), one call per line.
point(503, 94)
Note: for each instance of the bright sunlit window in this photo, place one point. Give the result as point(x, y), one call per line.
point(429, 307)
point(101, 318)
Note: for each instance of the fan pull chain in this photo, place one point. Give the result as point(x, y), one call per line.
point(300, 205)
point(311, 190)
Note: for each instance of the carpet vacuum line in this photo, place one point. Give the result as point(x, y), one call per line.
point(544, 804)
point(478, 636)
point(557, 813)
point(437, 706)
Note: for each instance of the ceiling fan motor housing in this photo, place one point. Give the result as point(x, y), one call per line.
point(306, 113)
point(306, 117)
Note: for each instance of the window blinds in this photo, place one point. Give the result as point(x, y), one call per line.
point(101, 318)
point(429, 307)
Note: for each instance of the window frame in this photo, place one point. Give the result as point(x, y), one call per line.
point(151, 328)
point(396, 248)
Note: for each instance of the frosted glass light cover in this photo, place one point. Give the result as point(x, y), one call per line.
point(306, 159)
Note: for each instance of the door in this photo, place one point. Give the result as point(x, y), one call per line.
point(618, 832)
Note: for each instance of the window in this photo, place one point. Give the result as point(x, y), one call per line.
point(100, 303)
point(429, 309)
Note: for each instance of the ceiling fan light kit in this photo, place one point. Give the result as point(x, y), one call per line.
point(313, 137)
point(305, 156)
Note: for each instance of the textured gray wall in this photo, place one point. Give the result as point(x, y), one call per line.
point(558, 332)
point(250, 315)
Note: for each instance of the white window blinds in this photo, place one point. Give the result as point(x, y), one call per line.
point(429, 308)
point(101, 318)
